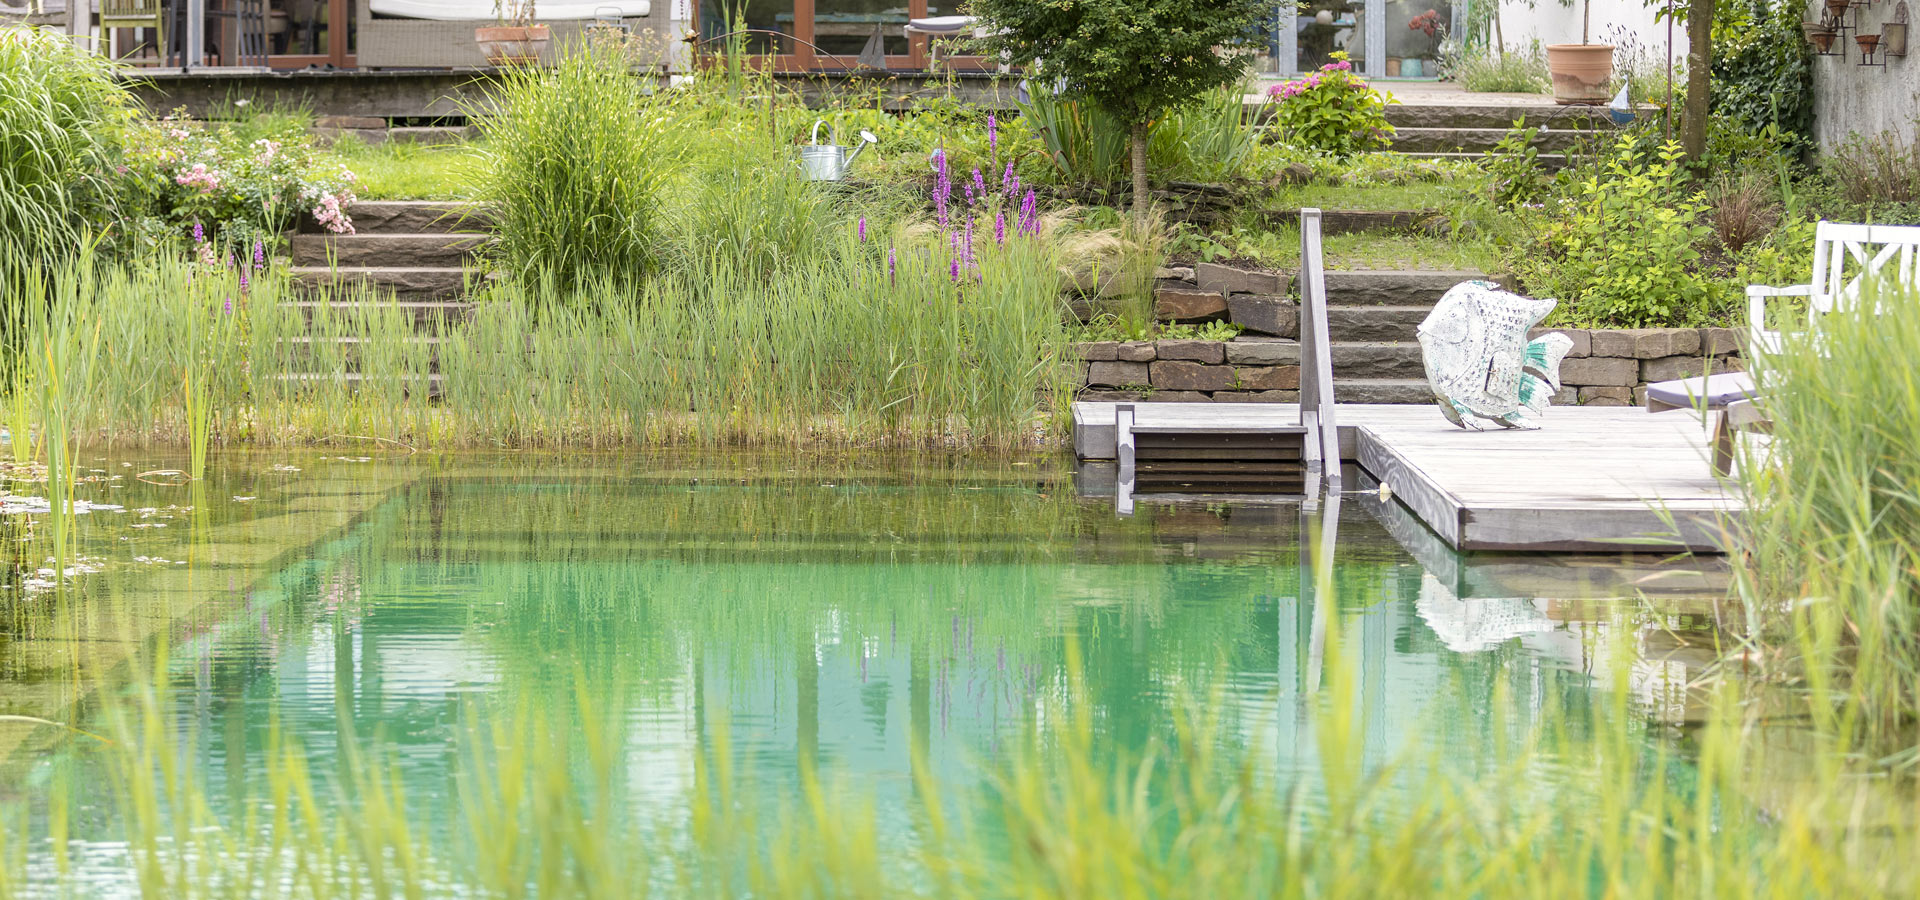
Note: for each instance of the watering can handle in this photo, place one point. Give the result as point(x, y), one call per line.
point(816, 130)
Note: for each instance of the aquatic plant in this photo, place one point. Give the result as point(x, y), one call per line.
point(1831, 585)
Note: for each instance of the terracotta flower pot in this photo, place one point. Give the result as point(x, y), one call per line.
point(1837, 8)
point(506, 45)
point(1819, 35)
point(1867, 42)
point(1580, 72)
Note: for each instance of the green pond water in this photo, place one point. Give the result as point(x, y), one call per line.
point(837, 615)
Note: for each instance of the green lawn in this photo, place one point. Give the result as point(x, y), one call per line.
point(397, 171)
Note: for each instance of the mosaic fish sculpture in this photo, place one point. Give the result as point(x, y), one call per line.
point(1481, 366)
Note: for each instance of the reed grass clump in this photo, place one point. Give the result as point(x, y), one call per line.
point(60, 120)
point(1832, 581)
point(575, 157)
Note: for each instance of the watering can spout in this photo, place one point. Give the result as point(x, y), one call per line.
point(866, 139)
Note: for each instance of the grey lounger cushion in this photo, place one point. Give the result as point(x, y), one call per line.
point(1715, 390)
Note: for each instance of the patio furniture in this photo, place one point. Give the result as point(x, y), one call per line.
point(133, 14)
point(1849, 260)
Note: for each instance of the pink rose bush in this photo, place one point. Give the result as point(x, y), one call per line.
point(242, 188)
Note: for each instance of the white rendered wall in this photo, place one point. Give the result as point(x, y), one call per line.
point(1612, 21)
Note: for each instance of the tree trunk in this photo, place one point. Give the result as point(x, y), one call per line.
point(1499, 34)
point(1699, 52)
point(1141, 198)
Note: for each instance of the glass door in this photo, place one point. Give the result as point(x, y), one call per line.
point(303, 33)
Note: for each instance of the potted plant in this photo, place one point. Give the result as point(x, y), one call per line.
point(1580, 71)
point(514, 39)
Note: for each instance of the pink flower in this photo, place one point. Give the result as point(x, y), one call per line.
point(198, 178)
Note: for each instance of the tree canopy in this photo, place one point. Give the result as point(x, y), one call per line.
point(1134, 58)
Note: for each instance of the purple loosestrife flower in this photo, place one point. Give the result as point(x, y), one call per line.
point(993, 135)
point(863, 229)
point(1007, 177)
point(890, 264)
point(953, 270)
point(967, 248)
point(199, 233)
point(243, 279)
point(969, 189)
point(979, 184)
point(943, 186)
point(227, 306)
point(1000, 227)
point(259, 256)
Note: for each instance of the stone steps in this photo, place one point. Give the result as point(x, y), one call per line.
point(1374, 323)
point(1481, 140)
point(386, 251)
point(1377, 359)
point(1368, 287)
point(423, 283)
point(412, 217)
point(1495, 115)
point(1552, 162)
point(1381, 390)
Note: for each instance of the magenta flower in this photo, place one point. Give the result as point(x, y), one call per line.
point(953, 270)
point(1000, 227)
point(1007, 176)
point(967, 248)
point(259, 256)
point(863, 229)
point(199, 233)
point(243, 279)
point(993, 136)
point(890, 263)
point(227, 306)
point(979, 184)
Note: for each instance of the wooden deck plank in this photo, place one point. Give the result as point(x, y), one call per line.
point(1593, 479)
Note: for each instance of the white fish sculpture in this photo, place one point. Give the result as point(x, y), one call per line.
point(1481, 366)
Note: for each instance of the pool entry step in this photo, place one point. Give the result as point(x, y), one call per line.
point(1237, 462)
point(1226, 454)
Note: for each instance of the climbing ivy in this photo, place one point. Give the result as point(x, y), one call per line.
point(1763, 69)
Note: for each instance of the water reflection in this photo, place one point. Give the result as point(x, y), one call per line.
point(850, 621)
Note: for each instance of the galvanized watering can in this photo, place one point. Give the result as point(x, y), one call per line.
point(829, 162)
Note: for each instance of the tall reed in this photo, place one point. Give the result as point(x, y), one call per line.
point(1832, 541)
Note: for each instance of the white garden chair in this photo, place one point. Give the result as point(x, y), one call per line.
point(1849, 261)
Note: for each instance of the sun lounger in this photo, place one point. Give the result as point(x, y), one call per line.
point(1716, 396)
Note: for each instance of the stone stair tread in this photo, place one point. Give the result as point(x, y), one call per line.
point(411, 217)
point(1382, 390)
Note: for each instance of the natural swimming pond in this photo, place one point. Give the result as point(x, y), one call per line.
point(840, 617)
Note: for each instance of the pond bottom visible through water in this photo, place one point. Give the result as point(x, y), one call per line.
point(846, 621)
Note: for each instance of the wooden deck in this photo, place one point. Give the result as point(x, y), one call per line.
point(1593, 479)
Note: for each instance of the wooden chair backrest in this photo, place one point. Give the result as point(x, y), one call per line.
point(1847, 258)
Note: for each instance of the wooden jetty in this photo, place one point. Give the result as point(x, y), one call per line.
point(1592, 479)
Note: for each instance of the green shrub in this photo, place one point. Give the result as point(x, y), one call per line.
point(573, 162)
point(1763, 69)
point(1514, 72)
point(1331, 111)
point(1622, 249)
point(60, 120)
point(241, 183)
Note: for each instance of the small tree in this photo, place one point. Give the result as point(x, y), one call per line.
point(1133, 58)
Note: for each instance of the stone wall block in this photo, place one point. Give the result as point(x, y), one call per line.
point(1567, 395)
point(1672, 367)
point(1181, 304)
point(1197, 351)
point(1582, 340)
point(1229, 280)
point(1723, 341)
point(1606, 396)
point(1612, 343)
point(1274, 352)
point(1270, 378)
point(1074, 371)
point(1110, 396)
point(1256, 396)
point(1265, 314)
point(1177, 397)
point(1599, 371)
point(1096, 350)
point(1183, 375)
point(1117, 374)
point(1134, 351)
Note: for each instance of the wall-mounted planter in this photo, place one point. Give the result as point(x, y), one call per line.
point(506, 45)
point(1820, 36)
